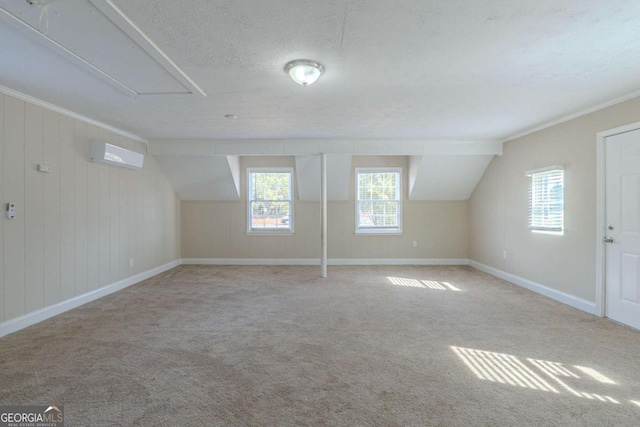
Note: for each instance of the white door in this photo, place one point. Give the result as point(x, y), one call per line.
point(623, 228)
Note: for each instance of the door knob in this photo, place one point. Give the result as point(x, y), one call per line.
point(608, 239)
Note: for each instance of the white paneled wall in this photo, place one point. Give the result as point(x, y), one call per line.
point(77, 227)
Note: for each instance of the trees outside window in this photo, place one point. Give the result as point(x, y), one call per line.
point(378, 200)
point(270, 201)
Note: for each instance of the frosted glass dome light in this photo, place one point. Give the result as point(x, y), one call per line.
point(304, 71)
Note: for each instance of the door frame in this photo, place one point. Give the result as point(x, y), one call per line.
point(601, 204)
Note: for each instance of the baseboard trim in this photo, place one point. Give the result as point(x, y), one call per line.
point(250, 261)
point(568, 299)
point(18, 323)
point(397, 261)
point(316, 261)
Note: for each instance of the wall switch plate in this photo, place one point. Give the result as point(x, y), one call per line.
point(504, 254)
point(131, 262)
point(11, 210)
point(415, 243)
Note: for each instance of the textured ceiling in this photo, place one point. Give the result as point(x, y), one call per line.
point(412, 69)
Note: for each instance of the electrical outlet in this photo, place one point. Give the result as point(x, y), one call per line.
point(131, 262)
point(504, 254)
point(415, 243)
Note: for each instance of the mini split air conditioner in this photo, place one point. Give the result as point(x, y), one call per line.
point(112, 155)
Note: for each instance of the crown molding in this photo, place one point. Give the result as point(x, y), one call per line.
point(581, 113)
point(57, 109)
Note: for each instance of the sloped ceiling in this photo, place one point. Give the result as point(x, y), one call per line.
point(113, 49)
point(203, 178)
point(416, 69)
point(402, 78)
point(211, 171)
point(217, 178)
point(445, 177)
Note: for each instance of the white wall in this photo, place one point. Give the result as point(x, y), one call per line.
point(218, 229)
point(498, 206)
point(78, 226)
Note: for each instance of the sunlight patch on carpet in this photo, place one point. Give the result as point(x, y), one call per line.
point(502, 368)
point(554, 370)
point(430, 284)
point(399, 281)
point(509, 369)
point(595, 374)
point(450, 286)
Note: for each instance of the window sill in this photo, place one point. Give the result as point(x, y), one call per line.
point(553, 233)
point(395, 232)
point(270, 233)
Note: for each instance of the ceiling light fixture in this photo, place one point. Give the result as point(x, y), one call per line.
point(304, 71)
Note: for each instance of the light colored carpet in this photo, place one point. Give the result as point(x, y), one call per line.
point(274, 346)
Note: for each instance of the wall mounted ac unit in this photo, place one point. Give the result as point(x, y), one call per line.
point(112, 155)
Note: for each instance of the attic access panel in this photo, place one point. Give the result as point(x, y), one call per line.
point(96, 35)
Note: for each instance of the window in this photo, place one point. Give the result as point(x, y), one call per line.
point(546, 200)
point(270, 203)
point(378, 200)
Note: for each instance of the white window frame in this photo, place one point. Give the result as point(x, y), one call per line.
point(378, 230)
point(275, 231)
point(538, 226)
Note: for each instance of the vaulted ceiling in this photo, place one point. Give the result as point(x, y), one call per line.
point(414, 70)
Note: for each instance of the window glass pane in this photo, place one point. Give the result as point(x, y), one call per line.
point(270, 215)
point(378, 205)
point(546, 201)
point(378, 214)
point(270, 201)
point(378, 186)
